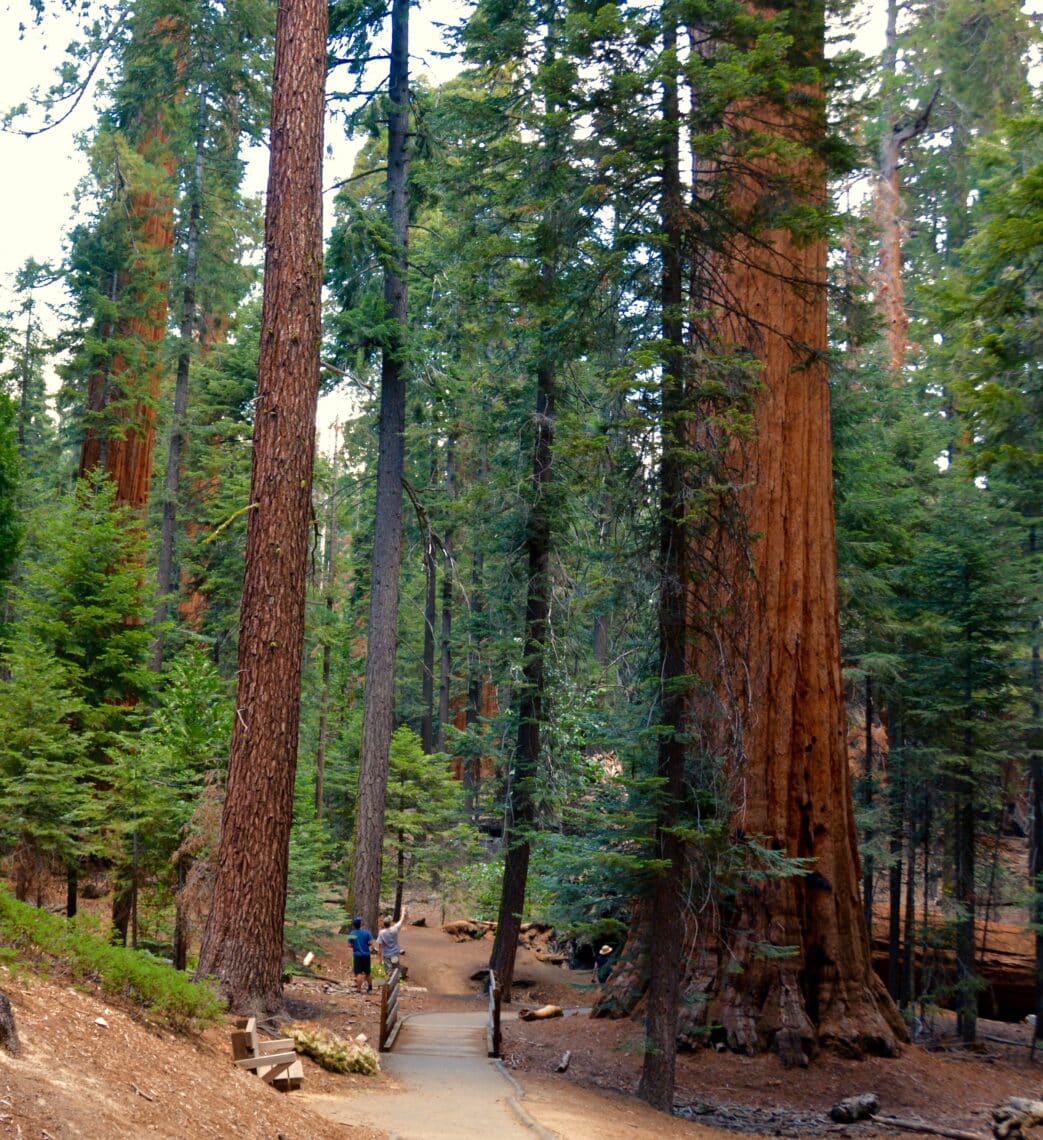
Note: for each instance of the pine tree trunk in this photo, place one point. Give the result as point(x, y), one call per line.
point(72, 883)
point(868, 794)
point(661, 1016)
point(330, 578)
point(907, 993)
point(792, 780)
point(445, 657)
point(472, 765)
point(379, 710)
point(964, 839)
point(531, 692)
point(894, 897)
point(180, 939)
point(243, 942)
point(1036, 791)
point(427, 697)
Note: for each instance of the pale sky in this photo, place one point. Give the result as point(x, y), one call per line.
point(38, 175)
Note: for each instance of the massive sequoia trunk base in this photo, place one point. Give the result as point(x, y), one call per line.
point(786, 965)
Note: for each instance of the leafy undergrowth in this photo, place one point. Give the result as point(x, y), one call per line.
point(28, 933)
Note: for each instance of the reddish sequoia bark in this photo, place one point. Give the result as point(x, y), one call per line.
point(780, 649)
point(122, 398)
point(242, 945)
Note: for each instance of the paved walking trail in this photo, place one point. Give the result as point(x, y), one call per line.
point(443, 1086)
point(446, 1086)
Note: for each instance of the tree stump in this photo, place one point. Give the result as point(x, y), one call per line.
point(8, 1033)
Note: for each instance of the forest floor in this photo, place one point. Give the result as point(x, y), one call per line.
point(91, 1068)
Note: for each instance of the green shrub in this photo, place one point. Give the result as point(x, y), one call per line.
point(130, 974)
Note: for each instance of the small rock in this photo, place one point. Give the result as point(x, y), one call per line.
point(102, 1022)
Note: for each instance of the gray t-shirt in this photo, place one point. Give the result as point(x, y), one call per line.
point(387, 940)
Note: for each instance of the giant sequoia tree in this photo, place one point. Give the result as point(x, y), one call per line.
point(789, 958)
point(243, 942)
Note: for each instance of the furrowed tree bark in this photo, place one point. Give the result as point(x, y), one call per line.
point(789, 966)
point(243, 942)
point(379, 709)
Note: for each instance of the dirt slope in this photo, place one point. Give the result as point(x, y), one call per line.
point(77, 1077)
point(88, 1069)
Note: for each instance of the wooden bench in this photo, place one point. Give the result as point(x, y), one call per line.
point(274, 1061)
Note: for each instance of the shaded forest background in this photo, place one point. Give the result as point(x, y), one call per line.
point(580, 204)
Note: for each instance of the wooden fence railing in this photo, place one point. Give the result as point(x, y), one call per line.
point(492, 1032)
point(390, 1021)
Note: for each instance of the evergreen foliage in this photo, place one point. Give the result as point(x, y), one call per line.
point(132, 975)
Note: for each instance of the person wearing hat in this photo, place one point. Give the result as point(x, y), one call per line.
point(602, 965)
point(361, 954)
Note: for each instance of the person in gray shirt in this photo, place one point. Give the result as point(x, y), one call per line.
point(388, 946)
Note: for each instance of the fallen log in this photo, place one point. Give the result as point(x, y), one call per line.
point(563, 1064)
point(854, 1108)
point(462, 929)
point(1010, 1120)
point(929, 1129)
point(540, 1014)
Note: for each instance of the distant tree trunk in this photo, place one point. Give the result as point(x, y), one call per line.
point(445, 657)
point(180, 939)
point(889, 284)
point(168, 531)
point(330, 578)
point(908, 988)
point(120, 431)
point(472, 773)
point(72, 882)
point(379, 710)
point(868, 791)
point(243, 942)
point(964, 839)
point(1036, 790)
point(661, 1017)
point(175, 450)
point(531, 692)
point(781, 641)
point(894, 878)
point(427, 697)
